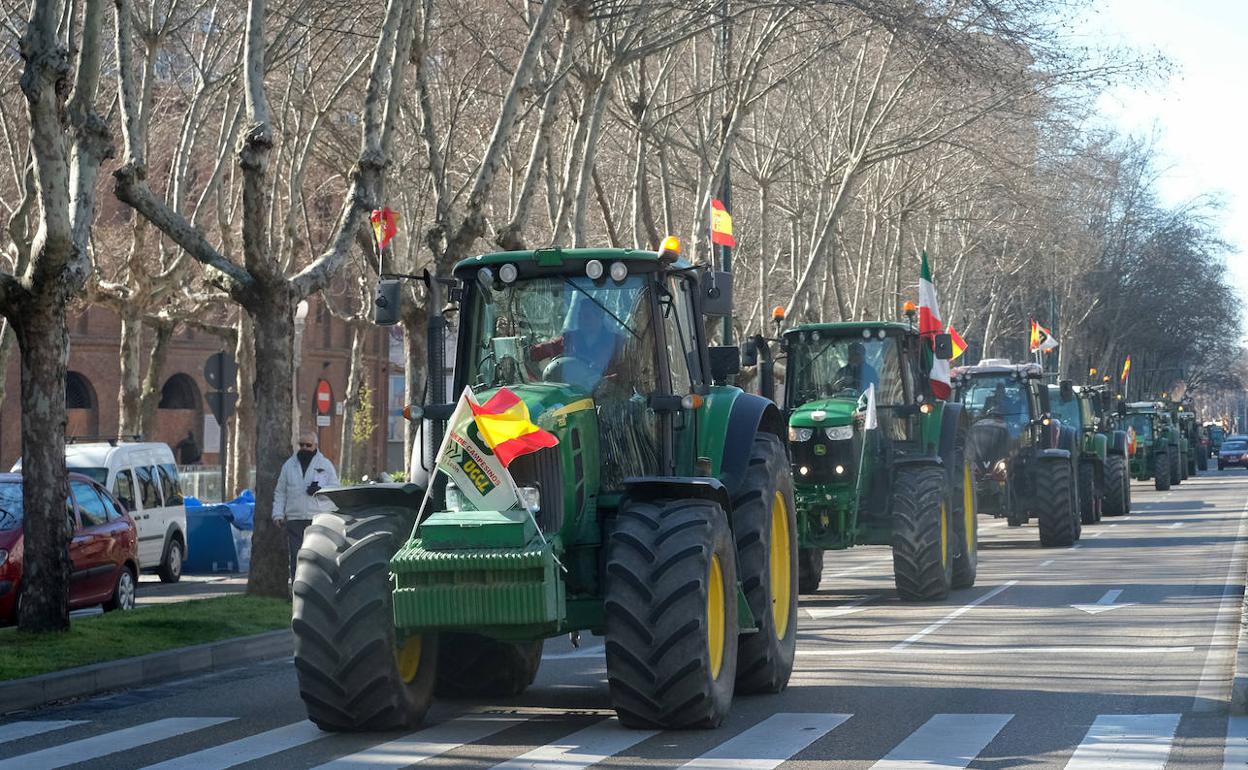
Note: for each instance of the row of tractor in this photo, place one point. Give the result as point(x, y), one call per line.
point(666, 509)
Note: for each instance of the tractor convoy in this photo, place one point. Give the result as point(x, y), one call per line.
point(639, 495)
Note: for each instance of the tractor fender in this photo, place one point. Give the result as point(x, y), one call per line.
point(650, 488)
point(1063, 454)
point(1100, 445)
point(401, 499)
point(1118, 443)
point(749, 415)
point(951, 419)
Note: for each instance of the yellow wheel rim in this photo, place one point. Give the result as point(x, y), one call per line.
point(715, 616)
point(408, 656)
point(781, 566)
point(944, 534)
point(968, 506)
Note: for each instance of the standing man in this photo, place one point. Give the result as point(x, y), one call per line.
point(307, 472)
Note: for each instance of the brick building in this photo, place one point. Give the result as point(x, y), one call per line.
point(94, 377)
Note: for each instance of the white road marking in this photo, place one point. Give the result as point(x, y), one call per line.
point(768, 744)
point(580, 749)
point(952, 616)
point(1075, 547)
point(819, 613)
point(245, 749)
point(1104, 604)
point(850, 571)
point(110, 743)
point(1126, 742)
point(1214, 689)
point(1236, 755)
point(947, 741)
point(15, 731)
point(1097, 533)
point(416, 747)
point(1175, 525)
point(1111, 526)
point(995, 651)
point(1047, 563)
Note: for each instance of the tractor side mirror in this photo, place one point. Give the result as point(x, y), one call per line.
point(725, 362)
point(1067, 390)
point(943, 346)
point(716, 289)
point(749, 356)
point(387, 303)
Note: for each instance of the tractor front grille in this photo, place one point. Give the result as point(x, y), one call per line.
point(821, 456)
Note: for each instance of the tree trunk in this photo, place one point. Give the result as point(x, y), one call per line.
point(243, 436)
point(43, 337)
point(129, 421)
point(7, 338)
point(150, 398)
point(274, 335)
point(348, 462)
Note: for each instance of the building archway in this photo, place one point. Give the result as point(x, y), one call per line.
point(81, 406)
point(179, 392)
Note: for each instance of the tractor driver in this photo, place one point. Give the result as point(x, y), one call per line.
point(588, 339)
point(1007, 404)
point(857, 373)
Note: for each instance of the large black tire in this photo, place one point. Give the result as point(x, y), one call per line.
point(347, 654)
point(809, 570)
point(765, 527)
point(1176, 469)
point(1117, 485)
point(471, 666)
point(1089, 501)
point(671, 607)
point(922, 535)
point(1162, 474)
point(1202, 461)
point(963, 507)
point(1053, 503)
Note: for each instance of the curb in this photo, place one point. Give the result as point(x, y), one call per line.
point(20, 694)
point(1239, 678)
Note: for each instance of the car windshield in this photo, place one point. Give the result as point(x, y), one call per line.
point(1067, 412)
point(1141, 423)
point(997, 395)
point(824, 367)
point(98, 475)
point(10, 505)
point(1235, 446)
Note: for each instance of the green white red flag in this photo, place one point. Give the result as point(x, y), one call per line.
point(929, 326)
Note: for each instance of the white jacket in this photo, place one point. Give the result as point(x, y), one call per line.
point(291, 499)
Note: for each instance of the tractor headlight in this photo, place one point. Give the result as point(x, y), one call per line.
point(999, 470)
point(454, 500)
point(801, 434)
point(531, 498)
point(839, 433)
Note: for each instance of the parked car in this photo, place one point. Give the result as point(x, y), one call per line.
point(103, 554)
point(143, 478)
point(1234, 451)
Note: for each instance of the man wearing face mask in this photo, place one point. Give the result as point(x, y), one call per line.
point(294, 505)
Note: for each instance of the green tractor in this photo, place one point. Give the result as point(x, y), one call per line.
point(1028, 462)
point(662, 520)
point(1104, 479)
point(1189, 426)
point(1156, 437)
point(1214, 433)
point(877, 459)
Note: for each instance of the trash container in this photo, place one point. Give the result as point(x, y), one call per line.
point(209, 540)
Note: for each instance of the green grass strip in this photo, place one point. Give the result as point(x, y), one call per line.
point(118, 635)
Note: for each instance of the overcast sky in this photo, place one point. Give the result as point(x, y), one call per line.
point(1200, 115)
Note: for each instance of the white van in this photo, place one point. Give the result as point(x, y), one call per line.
point(143, 477)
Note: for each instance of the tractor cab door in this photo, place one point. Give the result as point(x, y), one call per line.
point(681, 373)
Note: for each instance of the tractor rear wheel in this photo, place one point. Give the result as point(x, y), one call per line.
point(1117, 486)
point(1088, 501)
point(671, 607)
point(355, 672)
point(1161, 471)
point(922, 534)
point(809, 570)
point(471, 665)
point(1054, 502)
point(963, 509)
point(765, 527)
point(1176, 469)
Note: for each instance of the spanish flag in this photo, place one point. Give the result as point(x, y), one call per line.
point(1041, 338)
point(385, 226)
point(721, 225)
point(1126, 368)
point(959, 344)
point(503, 422)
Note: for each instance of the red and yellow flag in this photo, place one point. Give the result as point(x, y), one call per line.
point(959, 344)
point(1041, 338)
point(721, 225)
point(385, 225)
point(1126, 368)
point(503, 422)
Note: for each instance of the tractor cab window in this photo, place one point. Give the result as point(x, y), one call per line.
point(1142, 424)
point(676, 304)
point(822, 366)
point(1000, 397)
point(1069, 413)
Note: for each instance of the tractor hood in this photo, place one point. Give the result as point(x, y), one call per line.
point(824, 413)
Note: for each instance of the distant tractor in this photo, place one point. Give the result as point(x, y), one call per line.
point(877, 459)
point(1215, 433)
point(1156, 454)
point(1027, 463)
point(663, 520)
point(1104, 479)
point(1189, 427)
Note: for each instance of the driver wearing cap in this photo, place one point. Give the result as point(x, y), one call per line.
point(857, 373)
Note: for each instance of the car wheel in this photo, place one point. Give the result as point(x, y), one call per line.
point(123, 592)
point(170, 569)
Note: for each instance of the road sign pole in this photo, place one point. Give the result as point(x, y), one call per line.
point(222, 422)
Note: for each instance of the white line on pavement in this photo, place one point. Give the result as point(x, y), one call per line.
point(768, 744)
point(1126, 742)
point(944, 742)
point(580, 749)
point(1047, 563)
point(428, 743)
point(819, 613)
point(17, 730)
point(245, 749)
point(1236, 755)
point(1214, 688)
point(1094, 650)
point(109, 743)
point(952, 616)
point(1097, 533)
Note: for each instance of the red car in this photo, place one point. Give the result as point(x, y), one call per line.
point(103, 554)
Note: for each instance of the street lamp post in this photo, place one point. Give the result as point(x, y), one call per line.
point(301, 318)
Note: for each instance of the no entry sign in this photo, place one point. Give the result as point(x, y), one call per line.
point(324, 398)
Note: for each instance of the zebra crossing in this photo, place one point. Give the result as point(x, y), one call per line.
point(947, 741)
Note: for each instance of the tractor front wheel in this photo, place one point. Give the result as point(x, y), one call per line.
point(471, 665)
point(1088, 497)
point(1054, 503)
point(809, 570)
point(1117, 486)
point(765, 527)
point(1176, 469)
point(922, 534)
point(671, 607)
point(355, 672)
point(1161, 471)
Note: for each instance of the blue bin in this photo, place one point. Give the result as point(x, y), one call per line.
point(210, 540)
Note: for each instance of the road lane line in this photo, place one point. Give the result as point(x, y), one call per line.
point(110, 743)
point(1235, 757)
point(15, 731)
point(1126, 742)
point(768, 744)
point(819, 613)
point(995, 651)
point(952, 616)
point(416, 747)
point(252, 747)
point(1047, 563)
point(1214, 689)
point(944, 742)
point(580, 749)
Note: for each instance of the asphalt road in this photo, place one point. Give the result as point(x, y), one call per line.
point(1113, 654)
